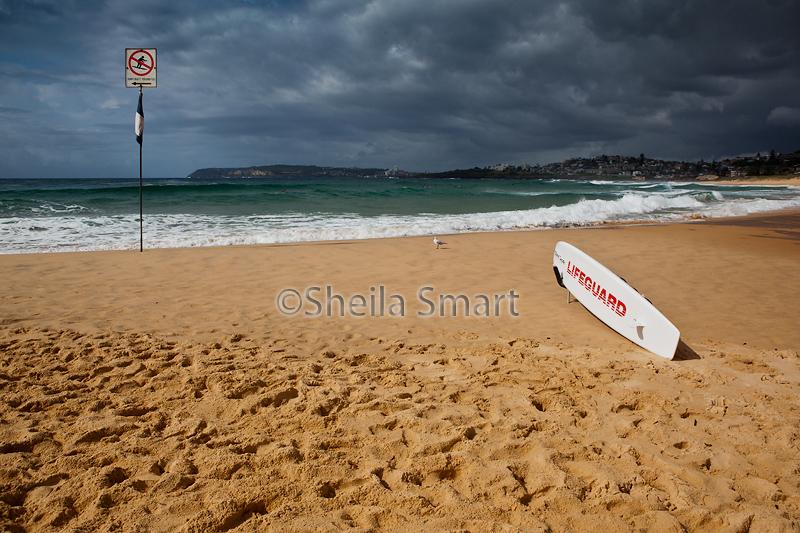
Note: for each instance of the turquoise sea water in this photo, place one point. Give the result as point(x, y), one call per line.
point(93, 214)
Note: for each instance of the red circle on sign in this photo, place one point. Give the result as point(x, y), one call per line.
point(141, 63)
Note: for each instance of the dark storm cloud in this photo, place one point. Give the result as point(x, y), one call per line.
point(420, 84)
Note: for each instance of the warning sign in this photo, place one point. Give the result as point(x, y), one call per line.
point(140, 67)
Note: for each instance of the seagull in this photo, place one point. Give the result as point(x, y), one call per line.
point(437, 242)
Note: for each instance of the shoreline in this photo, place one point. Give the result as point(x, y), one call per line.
point(61, 269)
point(603, 224)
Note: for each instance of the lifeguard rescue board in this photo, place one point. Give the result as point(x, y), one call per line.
point(612, 300)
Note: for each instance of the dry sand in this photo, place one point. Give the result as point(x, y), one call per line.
point(790, 180)
point(164, 390)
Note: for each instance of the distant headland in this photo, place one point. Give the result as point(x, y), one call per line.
point(286, 171)
point(611, 167)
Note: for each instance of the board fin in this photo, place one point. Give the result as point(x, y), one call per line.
point(634, 323)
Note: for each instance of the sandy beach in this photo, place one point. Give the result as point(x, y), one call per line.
point(789, 180)
point(324, 387)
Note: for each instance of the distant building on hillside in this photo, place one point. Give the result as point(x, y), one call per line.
point(397, 172)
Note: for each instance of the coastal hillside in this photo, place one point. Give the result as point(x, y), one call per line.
point(609, 167)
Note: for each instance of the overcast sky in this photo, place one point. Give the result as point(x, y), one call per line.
point(426, 85)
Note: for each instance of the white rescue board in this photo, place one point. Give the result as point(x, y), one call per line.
point(612, 300)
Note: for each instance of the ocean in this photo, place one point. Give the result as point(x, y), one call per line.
point(61, 215)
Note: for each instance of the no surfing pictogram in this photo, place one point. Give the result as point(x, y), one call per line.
point(140, 67)
point(141, 63)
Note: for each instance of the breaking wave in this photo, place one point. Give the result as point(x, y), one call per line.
point(68, 231)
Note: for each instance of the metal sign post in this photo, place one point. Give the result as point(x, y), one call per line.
point(140, 71)
point(141, 142)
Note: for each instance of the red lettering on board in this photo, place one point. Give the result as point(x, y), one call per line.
point(596, 290)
